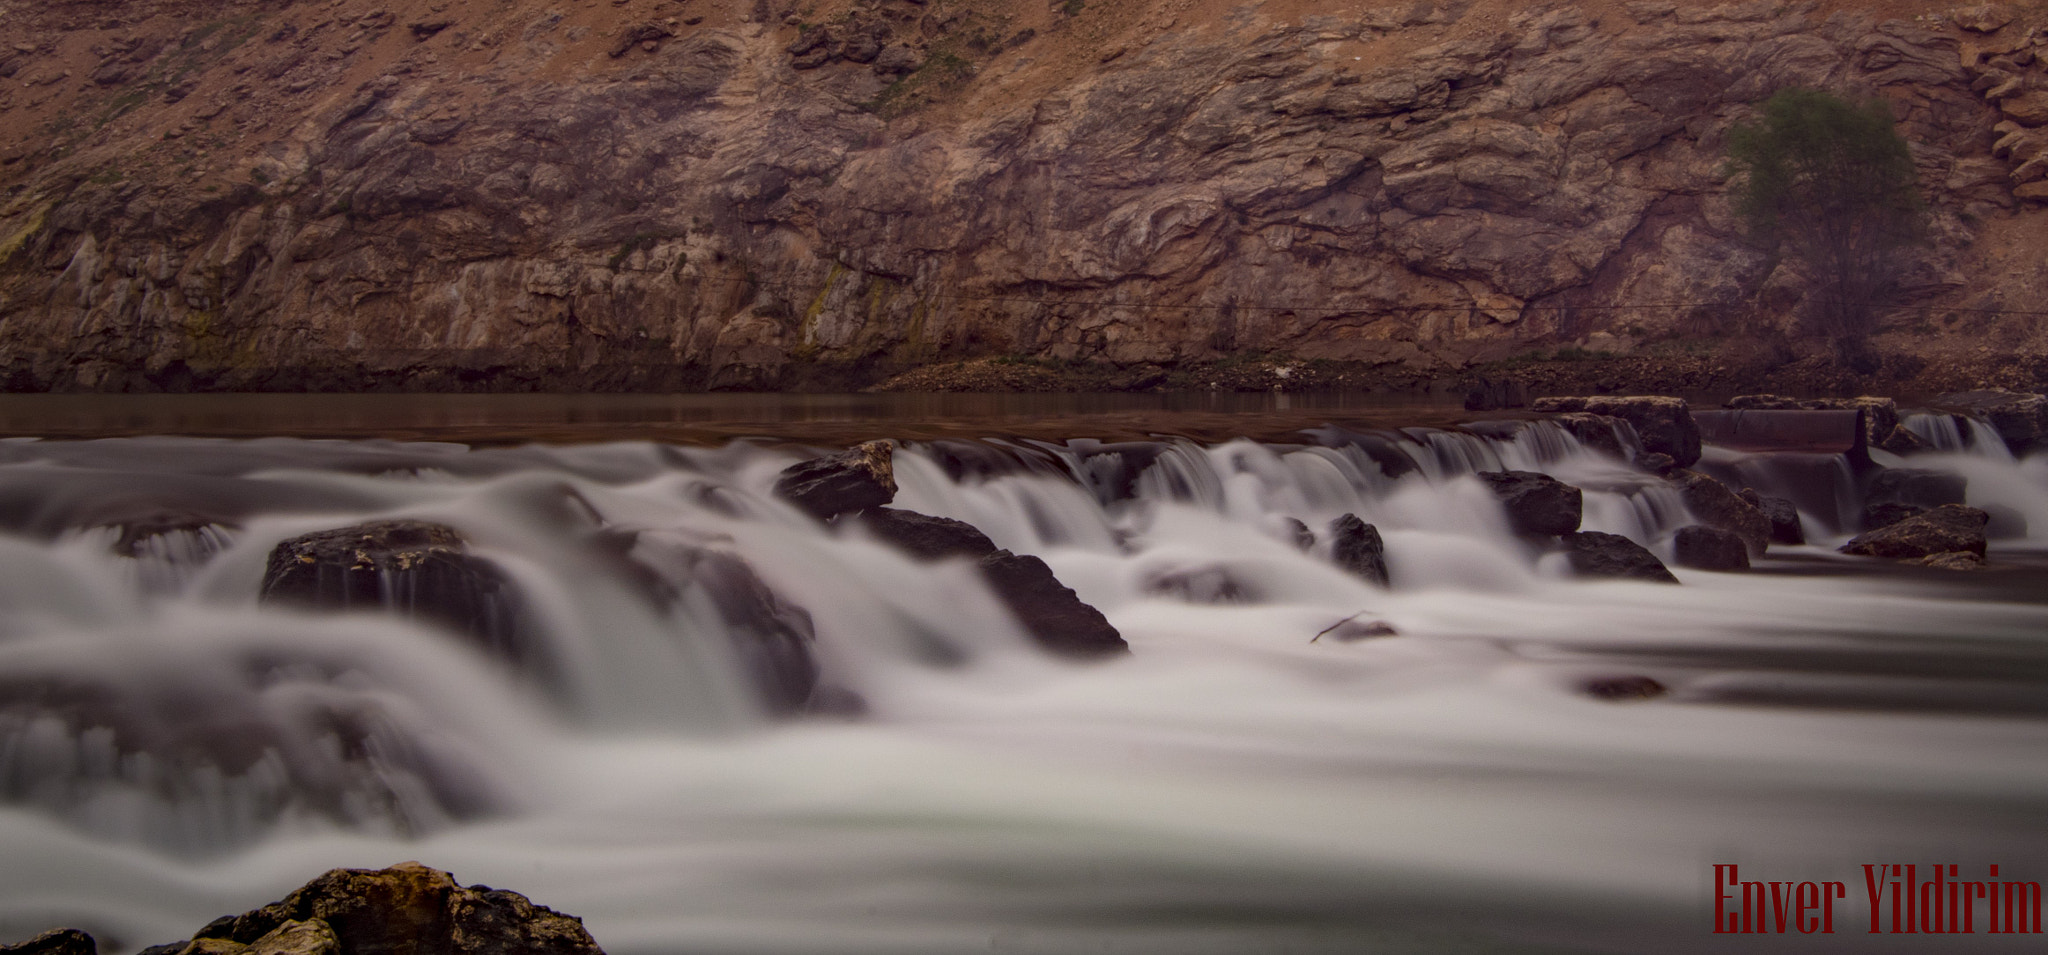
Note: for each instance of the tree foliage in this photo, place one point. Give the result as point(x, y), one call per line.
point(1830, 182)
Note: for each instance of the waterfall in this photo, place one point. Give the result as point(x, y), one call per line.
point(174, 747)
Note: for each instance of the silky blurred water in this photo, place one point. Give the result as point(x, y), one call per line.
point(170, 751)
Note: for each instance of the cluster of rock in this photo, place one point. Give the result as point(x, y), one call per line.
point(850, 489)
point(405, 908)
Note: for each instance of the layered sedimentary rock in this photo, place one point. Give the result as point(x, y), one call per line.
point(716, 194)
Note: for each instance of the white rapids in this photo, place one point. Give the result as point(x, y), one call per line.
point(170, 751)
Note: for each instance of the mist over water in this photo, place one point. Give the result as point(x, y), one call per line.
point(171, 751)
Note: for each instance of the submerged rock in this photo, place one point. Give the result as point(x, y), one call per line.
point(1622, 688)
point(1538, 505)
point(1595, 431)
point(1950, 527)
point(1356, 547)
point(413, 568)
point(771, 637)
point(922, 535)
point(1709, 548)
point(1664, 425)
point(859, 477)
point(1717, 506)
point(408, 908)
point(1597, 554)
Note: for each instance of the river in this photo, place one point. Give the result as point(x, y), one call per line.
point(171, 750)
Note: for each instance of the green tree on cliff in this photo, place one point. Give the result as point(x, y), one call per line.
point(1830, 182)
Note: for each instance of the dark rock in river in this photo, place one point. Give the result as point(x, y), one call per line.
point(1356, 547)
point(63, 941)
point(1664, 425)
point(1709, 548)
point(1596, 554)
point(1053, 614)
point(408, 909)
point(1783, 515)
point(1538, 505)
point(1917, 486)
point(922, 535)
point(1950, 560)
point(1299, 534)
point(1888, 513)
point(1717, 506)
point(859, 477)
point(1200, 585)
point(1622, 688)
point(1950, 527)
point(771, 637)
point(1656, 463)
point(414, 568)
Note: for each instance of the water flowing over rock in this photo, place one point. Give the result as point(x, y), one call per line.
point(857, 478)
point(405, 908)
point(1050, 611)
point(1709, 548)
point(1598, 554)
point(1599, 432)
point(1880, 416)
point(1717, 506)
point(412, 568)
point(1538, 505)
point(2021, 419)
point(1664, 425)
point(772, 637)
point(1356, 547)
point(1950, 527)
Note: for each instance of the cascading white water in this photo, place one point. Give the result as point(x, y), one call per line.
point(172, 750)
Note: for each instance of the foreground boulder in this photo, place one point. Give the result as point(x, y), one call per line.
point(63, 941)
point(1717, 506)
point(413, 568)
point(1538, 505)
point(408, 909)
point(1664, 425)
point(860, 477)
point(1356, 547)
point(1597, 554)
point(1051, 612)
point(1948, 528)
point(1887, 513)
point(1709, 548)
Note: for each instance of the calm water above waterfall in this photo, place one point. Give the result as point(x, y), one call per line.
point(171, 751)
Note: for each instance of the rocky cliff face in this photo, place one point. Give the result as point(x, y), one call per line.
point(718, 193)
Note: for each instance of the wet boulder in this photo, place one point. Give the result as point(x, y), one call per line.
point(1709, 548)
point(859, 477)
point(1783, 515)
point(1664, 425)
point(1211, 584)
point(1717, 506)
point(408, 908)
point(1356, 547)
point(1597, 554)
point(416, 569)
point(1055, 617)
point(1950, 527)
point(922, 535)
point(1051, 613)
point(1617, 689)
point(1538, 505)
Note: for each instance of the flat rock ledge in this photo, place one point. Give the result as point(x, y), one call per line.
point(406, 908)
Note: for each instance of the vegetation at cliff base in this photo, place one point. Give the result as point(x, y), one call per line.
point(1830, 182)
